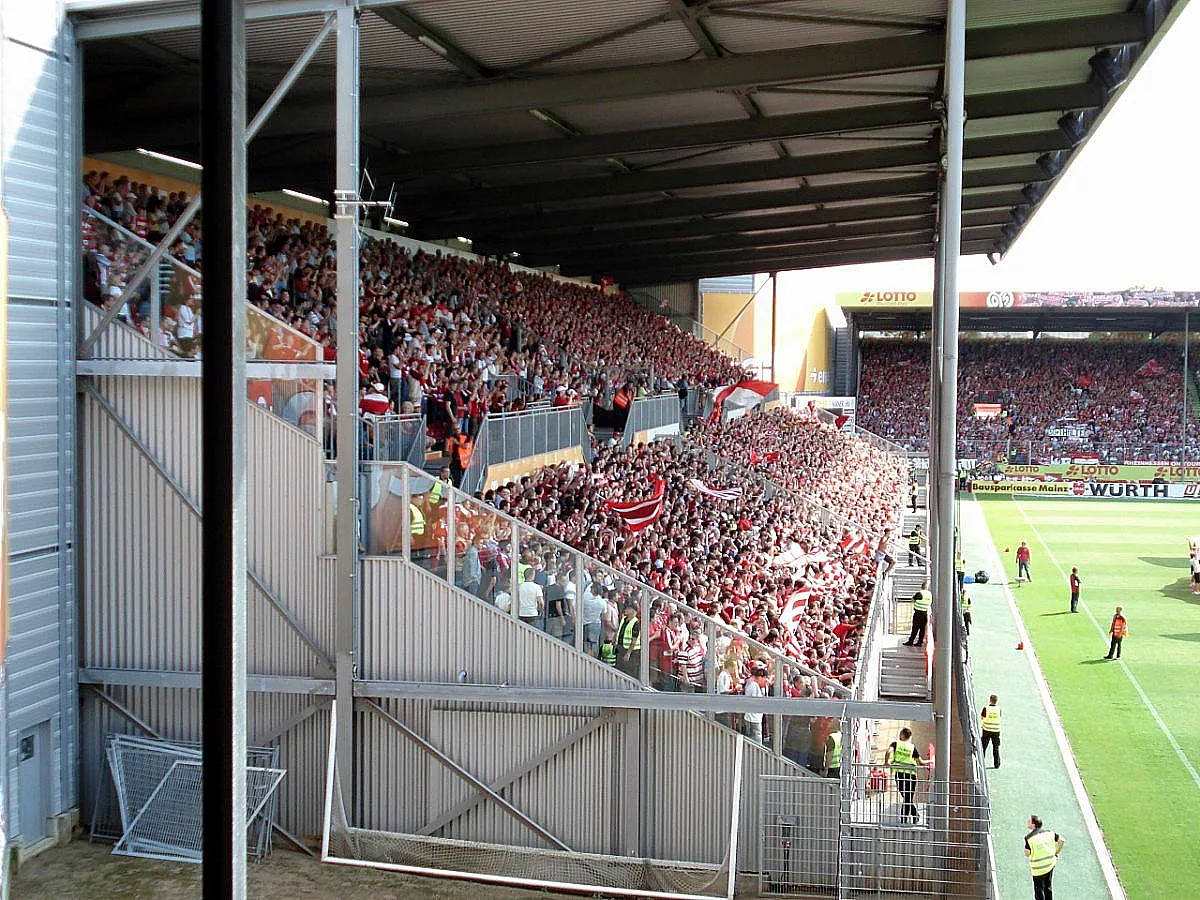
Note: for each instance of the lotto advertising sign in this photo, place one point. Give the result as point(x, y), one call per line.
point(874, 299)
point(1101, 489)
point(1170, 472)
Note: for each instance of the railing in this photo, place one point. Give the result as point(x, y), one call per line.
point(649, 413)
point(173, 285)
point(880, 443)
point(394, 438)
point(723, 344)
point(408, 513)
point(505, 437)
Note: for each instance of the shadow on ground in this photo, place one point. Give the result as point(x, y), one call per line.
point(1169, 562)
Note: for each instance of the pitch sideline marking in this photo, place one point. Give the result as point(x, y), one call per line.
point(1103, 856)
point(1128, 674)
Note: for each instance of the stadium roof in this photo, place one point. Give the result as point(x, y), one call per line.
point(651, 140)
point(1048, 319)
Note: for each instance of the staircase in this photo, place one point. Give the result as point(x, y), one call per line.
point(903, 673)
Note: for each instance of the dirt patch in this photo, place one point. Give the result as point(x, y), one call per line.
point(83, 871)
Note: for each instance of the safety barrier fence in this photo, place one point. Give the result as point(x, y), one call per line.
point(721, 343)
point(540, 429)
point(113, 254)
point(1033, 452)
point(646, 414)
point(406, 512)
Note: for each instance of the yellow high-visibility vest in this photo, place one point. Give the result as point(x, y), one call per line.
point(991, 719)
point(904, 757)
point(1042, 857)
point(922, 601)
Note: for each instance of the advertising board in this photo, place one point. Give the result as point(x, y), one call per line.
point(1170, 472)
point(1094, 489)
point(1000, 300)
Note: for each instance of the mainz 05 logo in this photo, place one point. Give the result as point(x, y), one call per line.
point(1000, 299)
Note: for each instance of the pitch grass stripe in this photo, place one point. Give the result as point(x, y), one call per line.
point(1095, 834)
point(1128, 674)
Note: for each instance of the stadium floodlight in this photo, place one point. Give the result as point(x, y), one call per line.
point(1112, 69)
point(300, 195)
point(1072, 126)
point(433, 45)
point(395, 223)
point(166, 157)
point(465, 240)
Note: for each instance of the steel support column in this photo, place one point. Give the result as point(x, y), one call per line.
point(223, 403)
point(346, 235)
point(948, 249)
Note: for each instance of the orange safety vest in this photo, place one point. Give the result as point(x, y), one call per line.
point(464, 448)
point(621, 399)
point(1118, 626)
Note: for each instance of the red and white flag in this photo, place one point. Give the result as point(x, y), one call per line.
point(745, 393)
point(756, 457)
point(639, 514)
point(1136, 395)
point(1152, 368)
point(793, 608)
point(855, 543)
point(715, 493)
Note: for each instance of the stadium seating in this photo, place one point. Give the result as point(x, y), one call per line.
point(1116, 401)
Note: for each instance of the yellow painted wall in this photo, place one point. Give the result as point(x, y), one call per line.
point(720, 309)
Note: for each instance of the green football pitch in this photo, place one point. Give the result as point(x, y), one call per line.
point(1134, 725)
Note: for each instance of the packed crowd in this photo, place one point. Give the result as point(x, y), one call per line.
point(437, 331)
point(819, 463)
point(1116, 401)
point(764, 565)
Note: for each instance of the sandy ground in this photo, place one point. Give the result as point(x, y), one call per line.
point(83, 871)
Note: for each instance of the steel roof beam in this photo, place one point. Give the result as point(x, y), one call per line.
point(738, 232)
point(575, 223)
point(669, 241)
point(760, 130)
point(754, 265)
point(825, 61)
point(899, 233)
point(465, 203)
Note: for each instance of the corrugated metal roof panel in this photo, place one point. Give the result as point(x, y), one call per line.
point(383, 45)
point(1033, 70)
point(1002, 125)
point(774, 31)
point(694, 108)
point(664, 42)
point(502, 35)
point(986, 13)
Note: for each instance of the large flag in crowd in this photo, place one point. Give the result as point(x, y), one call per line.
point(745, 393)
point(639, 514)
point(1152, 368)
point(715, 493)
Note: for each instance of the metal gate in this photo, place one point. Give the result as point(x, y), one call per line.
point(798, 835)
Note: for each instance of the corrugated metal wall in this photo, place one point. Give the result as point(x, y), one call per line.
point(118, 340)
point(139, 570)
point(141, 540)
point(40, 193)
point(730, 284)
point(682, 299)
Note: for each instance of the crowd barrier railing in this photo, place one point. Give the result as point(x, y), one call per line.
point(409, 513)
point(648, 413)
point(506, 437)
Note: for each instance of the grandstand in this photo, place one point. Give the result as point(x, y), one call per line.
point(385, 456)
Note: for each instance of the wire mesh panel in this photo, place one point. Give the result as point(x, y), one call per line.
point(169, 825)
point(155, 790)
point(799, 833)
point(908, 834)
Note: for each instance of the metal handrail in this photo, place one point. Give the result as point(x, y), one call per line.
point(523, 527)
point(129, 235)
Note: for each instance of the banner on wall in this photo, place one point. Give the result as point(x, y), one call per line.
point(1000, 300)
point(1094, 471)
point(1112, 490)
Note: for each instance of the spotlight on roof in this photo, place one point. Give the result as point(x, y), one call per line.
point(166, 157)
point(1072, 126)
point(395, 223)
point(434, 45)
point(1111, 68)
point(1052, 163)
point(300, 195)
point(465, 240)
